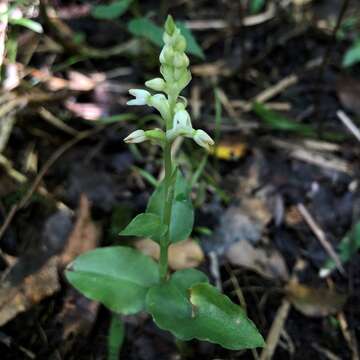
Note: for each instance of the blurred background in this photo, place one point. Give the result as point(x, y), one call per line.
point(277, 225)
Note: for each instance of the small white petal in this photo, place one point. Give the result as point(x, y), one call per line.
point(182, 119)
point(135, 102)
point(135, 137)
point(141, 97)
point(203, 139)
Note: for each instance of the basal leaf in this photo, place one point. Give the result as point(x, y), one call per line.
point(182, 216)
point(119, 277)
point(145, 225)
point(190, 308)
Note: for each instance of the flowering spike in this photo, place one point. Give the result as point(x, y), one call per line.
point(172, 108)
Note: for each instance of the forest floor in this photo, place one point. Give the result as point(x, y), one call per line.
point(277, 224)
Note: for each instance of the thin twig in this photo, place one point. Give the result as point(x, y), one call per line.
point(320, 235)
point(349, 123)
point(275, 331)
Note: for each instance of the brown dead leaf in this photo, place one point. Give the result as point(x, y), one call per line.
point(85, 235)
point(34, 288)
point(293, 216)
point(267, 263)
point(76, 317)
point(182, 255)
point(314, 302)
point(31, 278)
point(78, 313)
point(348, 91)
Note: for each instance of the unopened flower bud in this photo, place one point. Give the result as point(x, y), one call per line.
point(181, 60)
point(203, 139)
point(141, 97)
point(170, 25)
point(157, 84)
point(166, 55)
point(167, 73)
point(136, 137)
point(167, 38)
point(180, 44)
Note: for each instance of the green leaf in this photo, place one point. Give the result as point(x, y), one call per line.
point(256, 6)
point(146, 28)
point(111, 11)
point(348, 247)
point(190, 308)
point(119, 277)
point(145, 225)
point(280, 122)
point(27, 23)
point(352, 55)
point(192, 46)
point(185, 279)
point(182, 214)
point(115, 337)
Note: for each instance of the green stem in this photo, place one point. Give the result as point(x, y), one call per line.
point(169, 194)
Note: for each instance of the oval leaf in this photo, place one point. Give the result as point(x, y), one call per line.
point(201, 312)
point(110, 11)
point(182, 215)
point(145, 225)
point(119, 277)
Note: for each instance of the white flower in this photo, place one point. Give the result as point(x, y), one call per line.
point(141, 97)
point(203, 139)
point(157, 84)
point(161, 104)
point(135, 137)
point(181, 124)
point(182, 119)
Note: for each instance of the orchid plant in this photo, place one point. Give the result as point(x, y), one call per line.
point(127, 281)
